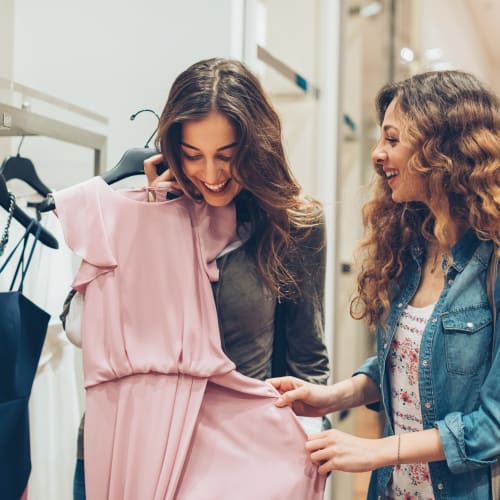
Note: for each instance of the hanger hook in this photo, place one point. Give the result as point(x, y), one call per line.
point(134, 116)
point(20, 144)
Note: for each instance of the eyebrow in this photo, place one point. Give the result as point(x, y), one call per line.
point(232, 145)
point(387, 127)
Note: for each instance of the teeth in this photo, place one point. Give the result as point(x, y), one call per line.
point(216, 187)
point(391, 173)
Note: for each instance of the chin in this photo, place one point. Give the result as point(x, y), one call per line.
point(398, 196)
point(218, 203)
point(220, 200)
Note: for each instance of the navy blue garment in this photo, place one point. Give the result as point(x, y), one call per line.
point(79, 481)
point(23, 326)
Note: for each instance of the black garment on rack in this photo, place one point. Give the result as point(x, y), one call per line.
point(22, 334)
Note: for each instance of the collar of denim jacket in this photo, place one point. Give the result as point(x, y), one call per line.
point(464, 249)
point(461, 252)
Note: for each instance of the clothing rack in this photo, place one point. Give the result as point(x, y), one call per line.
point(16, 121)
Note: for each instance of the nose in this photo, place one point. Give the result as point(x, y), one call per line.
point(212, 171)
point(379, 155)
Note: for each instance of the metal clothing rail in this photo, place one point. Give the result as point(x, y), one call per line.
point(56, 101)
point(23, 122)
point(290, 74)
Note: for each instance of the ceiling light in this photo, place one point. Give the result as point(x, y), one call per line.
point(369, 10)
point(406, 55)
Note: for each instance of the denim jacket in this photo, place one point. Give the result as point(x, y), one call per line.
point(459, 372)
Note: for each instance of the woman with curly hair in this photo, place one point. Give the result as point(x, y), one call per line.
point(431, 248)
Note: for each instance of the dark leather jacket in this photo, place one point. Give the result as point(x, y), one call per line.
point(265, 337)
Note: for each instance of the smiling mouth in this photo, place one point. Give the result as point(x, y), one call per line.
point(390, 176)
point(217, 188)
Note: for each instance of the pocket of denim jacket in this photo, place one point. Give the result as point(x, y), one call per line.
point(467, 338)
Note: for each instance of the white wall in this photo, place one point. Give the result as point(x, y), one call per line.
point(6, 63)
point(448, 25)
point(113, 57)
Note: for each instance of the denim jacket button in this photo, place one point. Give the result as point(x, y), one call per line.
point(428, 405)
point(434, 320)
point(440, 486)
point(400, 305)
point(450, 282)
point(470, 325)
point(425, 362)
point(385, 346)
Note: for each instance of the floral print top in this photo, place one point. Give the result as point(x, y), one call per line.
point(409, 481)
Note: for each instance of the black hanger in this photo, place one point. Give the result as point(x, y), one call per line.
point(17, 167)
point(23, 218)
point(130, 164)
point(132, 161)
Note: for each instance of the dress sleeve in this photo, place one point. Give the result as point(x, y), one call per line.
point(80, 212)
point(303, 321)
point(215, 228)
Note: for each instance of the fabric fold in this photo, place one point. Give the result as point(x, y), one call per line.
point(167, 415)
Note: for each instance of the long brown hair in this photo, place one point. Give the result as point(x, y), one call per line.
point(452, 123)
point(270, 199)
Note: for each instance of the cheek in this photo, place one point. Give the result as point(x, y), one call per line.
point(189, 169)
point(416, 186)
point(237, 188)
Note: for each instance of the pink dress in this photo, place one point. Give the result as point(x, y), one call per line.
point(167, 415)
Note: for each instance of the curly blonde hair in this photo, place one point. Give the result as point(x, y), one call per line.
point(451, 121)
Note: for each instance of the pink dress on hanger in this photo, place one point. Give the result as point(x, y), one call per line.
point(167, 415)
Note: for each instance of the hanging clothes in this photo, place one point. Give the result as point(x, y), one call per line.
point(57, 395)
point(22, 334)
point(167, 415)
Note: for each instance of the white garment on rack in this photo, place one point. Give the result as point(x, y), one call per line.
point(57, 396)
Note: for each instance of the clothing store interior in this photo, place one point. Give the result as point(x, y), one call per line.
point(83, 85)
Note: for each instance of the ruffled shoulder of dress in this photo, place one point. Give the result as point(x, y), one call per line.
point(80, 211)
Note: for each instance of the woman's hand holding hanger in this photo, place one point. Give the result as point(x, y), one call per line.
point(155, 180)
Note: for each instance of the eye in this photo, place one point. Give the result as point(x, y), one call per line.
point(392, 140)
point(224, 158)
point(191, 157)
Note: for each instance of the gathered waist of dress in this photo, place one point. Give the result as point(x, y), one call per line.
point(197, 371)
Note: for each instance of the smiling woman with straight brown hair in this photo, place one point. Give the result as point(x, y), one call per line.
point(221, 139)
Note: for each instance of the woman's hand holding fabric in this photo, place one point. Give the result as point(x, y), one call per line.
point(336, 450)
point(313, 400)
point(306, 399)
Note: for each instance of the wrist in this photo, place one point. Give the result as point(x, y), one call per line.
point(389, 451)
point(340, 397)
